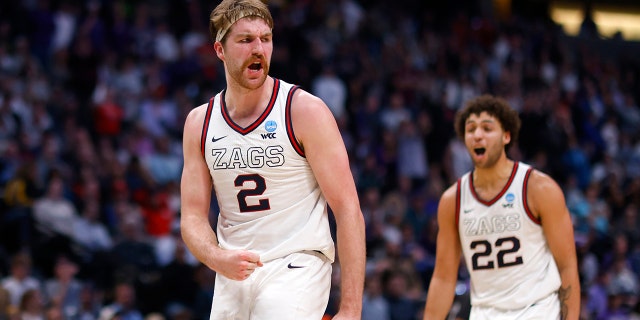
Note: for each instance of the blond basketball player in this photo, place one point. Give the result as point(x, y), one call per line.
point(274, 156)
point(510, 223)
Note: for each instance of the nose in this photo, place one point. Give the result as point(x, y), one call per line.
point(477, 133)
point(257, 47)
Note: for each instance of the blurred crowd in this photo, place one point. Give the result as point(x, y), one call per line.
point(94, 93)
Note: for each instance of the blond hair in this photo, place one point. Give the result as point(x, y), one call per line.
point(229, 11)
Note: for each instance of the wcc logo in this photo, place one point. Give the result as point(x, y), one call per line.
point(270, 126)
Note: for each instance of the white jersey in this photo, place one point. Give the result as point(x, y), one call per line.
point(270, 202)
point(504, 246)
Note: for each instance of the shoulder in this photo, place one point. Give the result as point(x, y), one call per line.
point(309, 113)
point(543, 193)
point(451, 193)
point(449, 198)
point(196, 117)
point(304, 100)
point(540, 183)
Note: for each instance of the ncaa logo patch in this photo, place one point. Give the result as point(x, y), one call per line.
point(270, 126)
point(510, 197)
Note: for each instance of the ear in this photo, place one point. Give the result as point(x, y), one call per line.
point(506, 137)
point(217, 46)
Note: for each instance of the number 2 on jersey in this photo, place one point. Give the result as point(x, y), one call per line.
point(260, 187)
point(500, 257)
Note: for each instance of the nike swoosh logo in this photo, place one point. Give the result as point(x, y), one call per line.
point(291, 266)
point(468, 210)
point(214, 139)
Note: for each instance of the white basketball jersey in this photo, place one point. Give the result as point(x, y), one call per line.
point(504, 246)
point(270, 202)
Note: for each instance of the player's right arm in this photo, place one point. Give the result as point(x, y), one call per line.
point(195, 192)
point(442, 287)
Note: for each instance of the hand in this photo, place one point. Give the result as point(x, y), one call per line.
point(237, 264)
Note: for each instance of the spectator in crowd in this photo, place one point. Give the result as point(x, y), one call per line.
point(5, 304)
point(89, 230)
point(412, 162)
point(374, 305)
point(55, 214)
point(164, 164)
point(32, 305)
point(395, 112)
point(402, 306)
point(91, 302)
point(331, 89)
point(63, 289)
point(133, 254)
point(20, 192)
point(123, 305)
point(21, 279)
point(178, 279)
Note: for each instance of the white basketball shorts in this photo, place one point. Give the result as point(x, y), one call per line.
point(544, 309)
point(293, 287)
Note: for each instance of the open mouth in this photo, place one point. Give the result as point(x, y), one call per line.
point(255, 66)
point(479, 151)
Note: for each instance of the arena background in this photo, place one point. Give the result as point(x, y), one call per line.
point(94, 93)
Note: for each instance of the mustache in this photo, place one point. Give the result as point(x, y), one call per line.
point(260, 58)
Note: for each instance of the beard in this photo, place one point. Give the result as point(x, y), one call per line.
point(237, 74)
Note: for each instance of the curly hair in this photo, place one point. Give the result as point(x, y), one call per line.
point(228, 12)
point(495, 107)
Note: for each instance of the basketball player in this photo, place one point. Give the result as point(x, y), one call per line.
point(274, 156)
point(510, 223)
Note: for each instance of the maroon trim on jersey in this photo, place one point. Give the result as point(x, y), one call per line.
point(255, 124)
point(289, 121)
point(524, 198)
point(205, 126)
point(504, 189)
point(458, 195)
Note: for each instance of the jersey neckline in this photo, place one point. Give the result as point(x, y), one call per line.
point(500, 194)
point(260, 119)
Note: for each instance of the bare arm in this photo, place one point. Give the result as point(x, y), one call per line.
point(195, 193)
point(548, 203)
point(448, 251)
point(316, 129)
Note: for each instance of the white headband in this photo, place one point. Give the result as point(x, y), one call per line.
point(223, 31)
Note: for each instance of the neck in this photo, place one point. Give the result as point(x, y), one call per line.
point(494, 175)
point(242, 101)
